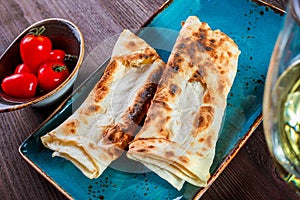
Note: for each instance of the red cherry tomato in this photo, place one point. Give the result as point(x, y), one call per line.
point(35, 48)
point(57, 55)
point(22, 68)
point(51, 74)
point(20, 85)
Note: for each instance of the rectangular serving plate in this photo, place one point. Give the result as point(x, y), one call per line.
point(254, 27)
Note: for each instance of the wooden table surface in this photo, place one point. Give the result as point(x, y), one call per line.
point(250, 175)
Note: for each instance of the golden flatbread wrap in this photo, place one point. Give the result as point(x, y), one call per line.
point(178, 138)
point(101, 128)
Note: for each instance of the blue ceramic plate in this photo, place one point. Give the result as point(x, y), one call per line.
point(254, 27)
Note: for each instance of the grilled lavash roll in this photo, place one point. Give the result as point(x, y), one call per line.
point(99, 130)
point(178, 138)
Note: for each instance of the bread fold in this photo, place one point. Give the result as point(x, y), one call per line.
point(100, 129)
point(178, 138)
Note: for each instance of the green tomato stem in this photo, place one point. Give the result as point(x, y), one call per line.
point(37, 31)
point(59, 68)
point(70, 57)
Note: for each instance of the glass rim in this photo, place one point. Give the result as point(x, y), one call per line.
point(295, 10)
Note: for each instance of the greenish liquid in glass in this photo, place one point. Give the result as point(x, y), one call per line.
point(287, 151)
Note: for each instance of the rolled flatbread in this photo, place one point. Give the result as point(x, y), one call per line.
point(101, 128)
point(178, 138)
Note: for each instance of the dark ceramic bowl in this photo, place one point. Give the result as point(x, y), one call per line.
point(64, 35)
